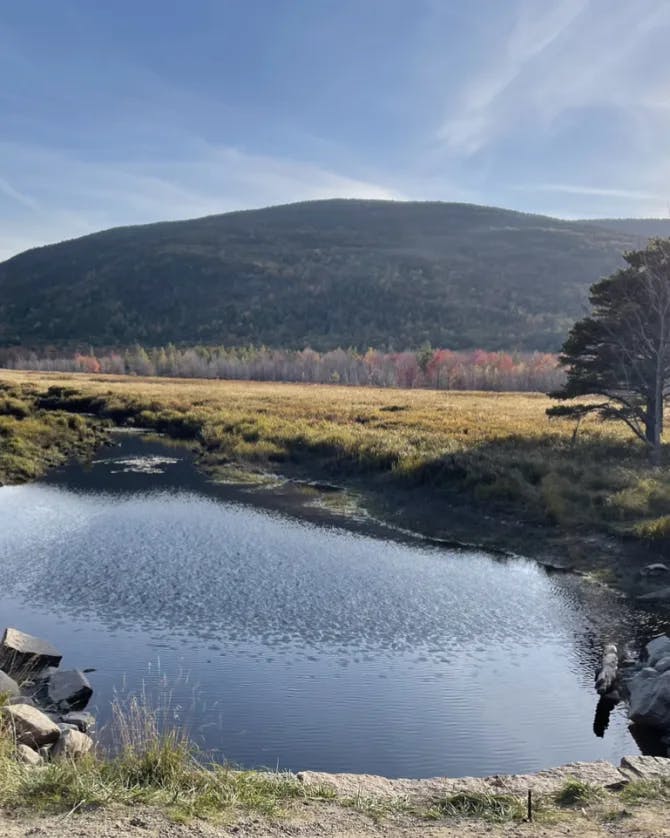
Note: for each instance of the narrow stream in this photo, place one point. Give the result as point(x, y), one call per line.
point(303, 644)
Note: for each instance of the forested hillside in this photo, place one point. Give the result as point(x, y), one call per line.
point(323, 274)
point(645, 228)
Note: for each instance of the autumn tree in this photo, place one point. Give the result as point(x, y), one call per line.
point(621, 352)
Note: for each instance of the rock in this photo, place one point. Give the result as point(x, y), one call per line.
point(8, 686)
point(69, 690)
point(63, 727)
point(663, 664)
point(657, 648)
point(22, 653)
point(27, 756)
point(71, 745)
point(31, 726)
point(656, 569)
point(83, 721)
point(45, 674)
point(21, 699)
point(646, 768)
point(650, 698)
point(606, 677)
point(545, 782)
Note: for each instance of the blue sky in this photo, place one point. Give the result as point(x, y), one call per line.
point(127, 112)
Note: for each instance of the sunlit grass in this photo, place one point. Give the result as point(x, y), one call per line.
point(31, 441)
point(497, 449)
point(148, 766)
point(158, 766)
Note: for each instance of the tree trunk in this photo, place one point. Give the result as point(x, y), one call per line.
point(653, 426)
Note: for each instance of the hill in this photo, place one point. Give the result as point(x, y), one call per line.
point(645, 228)
point(323, 273)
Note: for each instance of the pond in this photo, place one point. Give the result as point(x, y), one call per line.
point(277, 640)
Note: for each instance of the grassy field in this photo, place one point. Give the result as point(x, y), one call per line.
point(495, 452)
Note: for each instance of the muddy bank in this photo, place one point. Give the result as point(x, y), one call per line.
point(619, 563)
point(373, 504)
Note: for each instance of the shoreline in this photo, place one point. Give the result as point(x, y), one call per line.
point(443, 511)
point(578, 798)
point(437, 519)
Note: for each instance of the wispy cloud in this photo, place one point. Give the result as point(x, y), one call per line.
point(600, 191)
point(556, 58)
point(7, 189)
point(81, 196)
point(537, 27)
point(110, 124)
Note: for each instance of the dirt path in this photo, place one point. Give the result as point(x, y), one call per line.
point(334, 821)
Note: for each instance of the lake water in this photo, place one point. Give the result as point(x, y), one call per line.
point(283, 642)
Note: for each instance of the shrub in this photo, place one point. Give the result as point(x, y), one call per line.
point(656, 529)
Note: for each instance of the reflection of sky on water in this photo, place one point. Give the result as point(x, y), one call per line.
point(313, 646)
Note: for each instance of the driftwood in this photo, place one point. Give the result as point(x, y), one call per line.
point(606, 677)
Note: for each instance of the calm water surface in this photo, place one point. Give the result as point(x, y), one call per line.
point(282, 642)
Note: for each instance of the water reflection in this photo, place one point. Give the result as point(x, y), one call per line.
point(307, 644)
point(604, 710)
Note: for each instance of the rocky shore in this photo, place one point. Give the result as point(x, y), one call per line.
point(648, 692)
point(44, 706)
point(642, 681)
point(43, 709)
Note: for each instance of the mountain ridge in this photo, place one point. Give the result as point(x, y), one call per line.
point(338, 272)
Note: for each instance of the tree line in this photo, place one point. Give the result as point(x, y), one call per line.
point(440, 369)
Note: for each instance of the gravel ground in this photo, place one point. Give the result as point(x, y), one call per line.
point(650, 821)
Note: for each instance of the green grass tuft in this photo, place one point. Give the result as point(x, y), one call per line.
point(497, 808)
point(578, 793)
point(640, 791)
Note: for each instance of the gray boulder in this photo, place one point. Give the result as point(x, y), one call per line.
point(69, 690)
point(45, 674)
point(657, 648)
point(83, 721)
point(63, 727)
point(21, 699)
point(22, 653)
point(663, 664)
point(31, 726)
point(649, 702)
point(72, 744)
point(8, 686)
point(27, 756)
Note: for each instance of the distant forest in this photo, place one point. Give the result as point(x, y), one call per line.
point(440, 369)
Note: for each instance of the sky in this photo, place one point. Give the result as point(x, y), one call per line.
point(130, 112)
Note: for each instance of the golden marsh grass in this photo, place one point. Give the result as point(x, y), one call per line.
point(499, 449)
